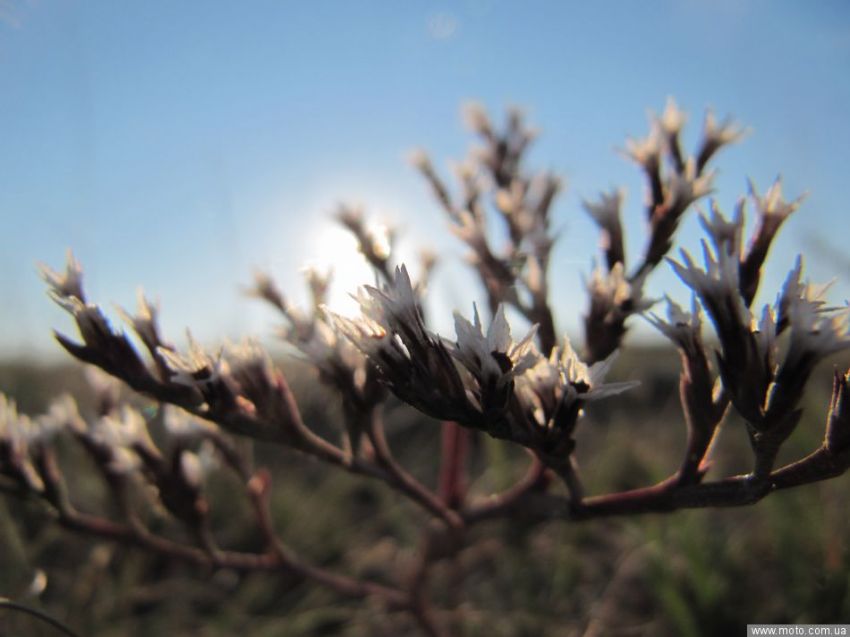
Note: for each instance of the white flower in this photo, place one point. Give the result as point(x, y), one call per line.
point(120, 434)
point(419, 159)
point(14, 427)
point(144, 322)
point(716, 283)
point(682, 189)
point(646, 151)
point(681, 327)
point(588, 381)
point(65, 284)
point(765, 336)
point(725, 235)
point(672, 119)
point(611, 290)
point(128, 427)
point(720, 134)
point(541, 390)
point(248, 357)
point(469, 229)
point(412, 362)
point(475, 117)
point(606, 211)
point(367, 335)
point(494, 356)
point(265, 288)
point(180, 424)
point(61, 413)
point(816, 331)
point(552, 386)
point(319, 283)
point(391, 328)
point(17, 433)
point(772, 204)
point(196, 369)
point(794, 291)
point(195, 467)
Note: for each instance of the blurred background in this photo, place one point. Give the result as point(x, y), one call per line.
point(179, 146)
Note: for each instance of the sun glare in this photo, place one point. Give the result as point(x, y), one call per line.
point(334, 249)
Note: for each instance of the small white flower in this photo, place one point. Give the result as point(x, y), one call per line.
point(772, 204)
point(190, 468)
point(144, 322)
point(588, 381)
point(681, 327)
point(121, 433)
point(468, 172)
point(606, 211)
point(391, 322)
point(682, 189)
point(23, 432)
point(367, 335)
point(196, 466)
point(17, 433)
point(126, 428)
point(725, 234)
point(673, 118)
point(494, 356)
point(718, 277)
point(469, 229)
point(419, 159)
point(265, 288)
point(794, 291)
point(395, 307)
point(195, 369)
point(249, 356)
point(180, 424)
point(319, 283)
point(611, 289)
point(722, 133)
point(765, 336)
point(475, 117)
point(647, 151)
point(13, 426)
point(553, 385)
point(814, 330)
point(61, 413)
point(68, 283)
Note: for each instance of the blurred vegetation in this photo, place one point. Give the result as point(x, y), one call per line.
point(700, 572)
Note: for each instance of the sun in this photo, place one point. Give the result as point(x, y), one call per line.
point(334, 249)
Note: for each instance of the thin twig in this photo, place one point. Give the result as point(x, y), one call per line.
point(40, 615)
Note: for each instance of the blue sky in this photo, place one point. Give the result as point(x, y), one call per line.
point(177, 146)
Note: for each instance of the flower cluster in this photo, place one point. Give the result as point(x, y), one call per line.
point(504, 387)
point(763, 388)
point(675, 181)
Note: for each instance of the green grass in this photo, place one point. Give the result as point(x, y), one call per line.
point(704, 572)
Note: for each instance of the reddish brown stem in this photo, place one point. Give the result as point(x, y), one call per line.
point(670, 495)
point(401, 480)
point(453, 453)
point(535, 480)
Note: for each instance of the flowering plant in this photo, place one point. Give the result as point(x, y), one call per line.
point(531, 391)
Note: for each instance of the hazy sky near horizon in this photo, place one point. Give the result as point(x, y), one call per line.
point(177, 146)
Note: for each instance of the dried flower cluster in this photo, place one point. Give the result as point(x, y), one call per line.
point(530, 390)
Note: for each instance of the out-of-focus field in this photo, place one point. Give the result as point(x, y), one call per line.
point(703, 572)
